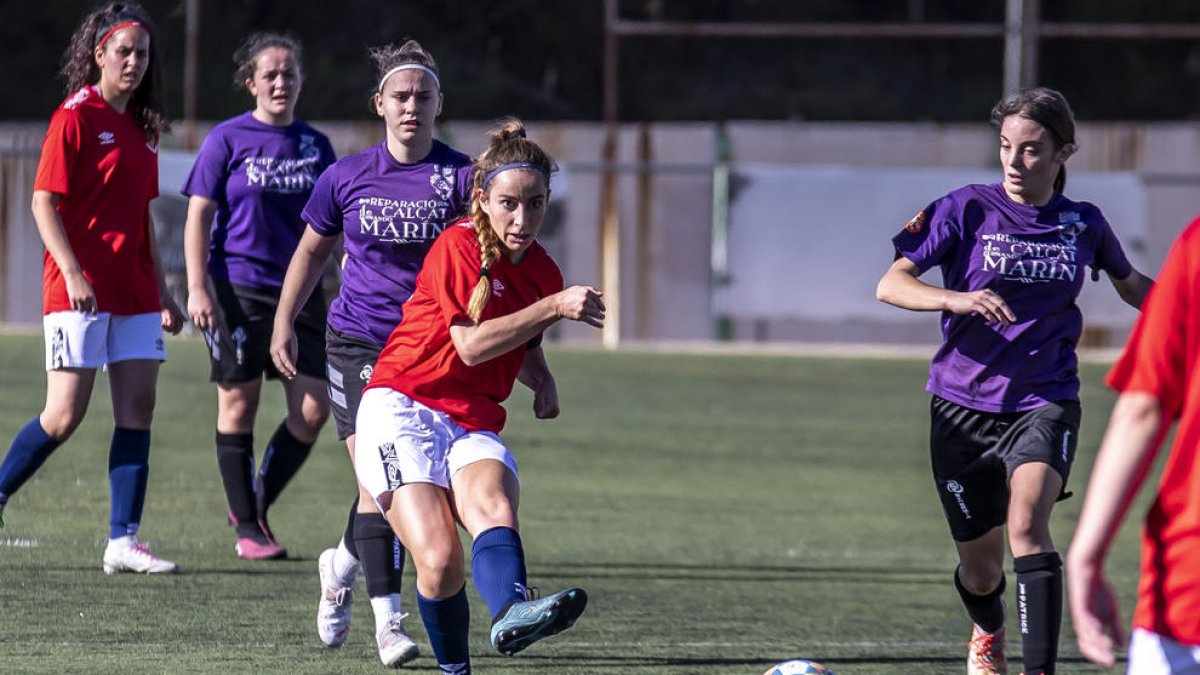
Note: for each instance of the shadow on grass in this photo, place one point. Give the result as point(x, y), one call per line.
point(745, 573)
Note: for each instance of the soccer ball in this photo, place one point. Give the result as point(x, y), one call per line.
point(798, 667)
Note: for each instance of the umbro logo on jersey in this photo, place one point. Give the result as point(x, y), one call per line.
point(497, 288)
point(107, 138)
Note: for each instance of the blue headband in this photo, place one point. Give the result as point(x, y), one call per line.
point(487, 179)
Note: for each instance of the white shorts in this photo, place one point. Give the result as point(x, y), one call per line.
point(90, 340)
point(401, 441)
point(1154, 654)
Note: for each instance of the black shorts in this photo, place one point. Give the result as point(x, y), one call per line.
point(240, 349)
point(351, 362)
point(974, 453)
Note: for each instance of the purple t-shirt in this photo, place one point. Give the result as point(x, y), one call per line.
point(260, 176)
point(390, 213)
point(1032, 257)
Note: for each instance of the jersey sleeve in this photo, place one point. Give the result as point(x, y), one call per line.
point(451, 277)
point(463, 185)
point(60, 149)
point(211, 169)
point(931, 235)
point(1155, 357)
point(323, 212)
point(1110, 256)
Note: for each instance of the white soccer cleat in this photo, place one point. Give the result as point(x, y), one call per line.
point(396, 648)
point(985, 654)
point(123, 557)
point(333, 609)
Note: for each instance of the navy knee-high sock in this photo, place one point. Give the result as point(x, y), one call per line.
point(284, 456)
point(447, 624)
point(235, 461)
point(30, 448)
point(380, 553)
point(128, 469)
point(498, 567)
point(1039, 601)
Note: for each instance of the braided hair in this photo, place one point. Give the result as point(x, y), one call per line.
point(507, 145)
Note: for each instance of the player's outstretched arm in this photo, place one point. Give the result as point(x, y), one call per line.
point(491, 338)
point(1134, 434)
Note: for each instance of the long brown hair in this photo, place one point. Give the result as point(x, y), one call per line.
point(1048, 108)
point(507, 145)
point(79, 67)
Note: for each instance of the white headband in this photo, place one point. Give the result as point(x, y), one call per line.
point(409, 66)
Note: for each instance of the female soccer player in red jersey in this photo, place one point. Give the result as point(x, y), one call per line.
point(428, 446)
point(1159, 384)
point(251, 179)
point(1005, 382)
point(104, 300)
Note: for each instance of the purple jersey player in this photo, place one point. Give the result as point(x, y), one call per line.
point(1005, 382)
point(252, 177)
point(387, 203)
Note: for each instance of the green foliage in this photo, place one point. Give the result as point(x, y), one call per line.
point(724, 512)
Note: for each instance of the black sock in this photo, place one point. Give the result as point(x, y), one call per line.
point(1039, 603)
point(987, 611)
point(283, 458)
point(235, 460)
point(348, 535)
point(379, 553)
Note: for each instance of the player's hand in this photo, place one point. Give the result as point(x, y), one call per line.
point(201, 309)
point(172, 318)
point(581, 303)
point(1098, 628)
point(545, 399)
point(80, 292)
point(284, 350)
point(985, 303)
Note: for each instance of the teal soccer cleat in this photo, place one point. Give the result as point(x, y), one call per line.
point(524, 623)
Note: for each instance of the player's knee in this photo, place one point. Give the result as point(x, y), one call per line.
point(980, 578)
point(60, 423)
point(440, 567)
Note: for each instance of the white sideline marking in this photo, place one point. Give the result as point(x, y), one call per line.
point(19, 543)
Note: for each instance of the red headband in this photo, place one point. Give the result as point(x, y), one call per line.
point(114, 29)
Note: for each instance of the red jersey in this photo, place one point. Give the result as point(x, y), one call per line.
point(1161, 359)
point(101, 163)
point(420, 360)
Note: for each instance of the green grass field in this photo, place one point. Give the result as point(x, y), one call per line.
point(724, 512)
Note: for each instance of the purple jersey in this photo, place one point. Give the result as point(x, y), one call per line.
point(390, 213)
point(260, 176)
point(1032, 257)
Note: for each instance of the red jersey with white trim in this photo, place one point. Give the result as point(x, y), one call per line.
point(1161, 359)
point(107, 172)
point(420, 360)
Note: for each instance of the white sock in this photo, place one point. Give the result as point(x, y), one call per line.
point(126, 542)
point(345, 565)
point(385, 607)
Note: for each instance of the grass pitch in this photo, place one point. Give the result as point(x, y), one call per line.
point(724, 512)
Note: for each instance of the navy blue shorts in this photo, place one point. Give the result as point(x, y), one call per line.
point(974, 453)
